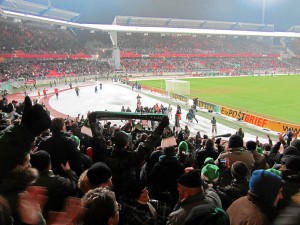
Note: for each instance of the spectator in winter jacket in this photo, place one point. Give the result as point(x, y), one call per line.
point(123, 162)
point(62, 149)
point(238, 186)
point(136, 205)
point(237, 152)
point(259, 206)
point(58, 188)
point(164, 176)
point(191, 194)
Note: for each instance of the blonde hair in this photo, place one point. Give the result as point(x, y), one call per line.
point(84, 184)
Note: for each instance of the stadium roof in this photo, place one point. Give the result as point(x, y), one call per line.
point(148, 29)
point(25, 7)
point(195, 24)
point(295, 29)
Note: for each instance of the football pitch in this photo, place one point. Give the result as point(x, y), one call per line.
point(274, 97)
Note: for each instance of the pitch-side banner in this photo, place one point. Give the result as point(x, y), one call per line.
point(260, 121)
point(208, 106)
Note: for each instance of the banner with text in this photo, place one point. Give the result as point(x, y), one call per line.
point(260, 121)
point(208, 106)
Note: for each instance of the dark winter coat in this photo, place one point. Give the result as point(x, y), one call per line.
point(233, 191)
point(62, 149)
point(122, 163)
point(58, 189)
point(291, 185)
point(164, 176)
point(182, 209)
point(203, 154)
point(135, 213)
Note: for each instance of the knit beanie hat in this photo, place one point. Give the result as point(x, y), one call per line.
point(207, 214)
point(292, 162)
point(209, 160)
point(98, 173)
point(251, 145)
point(296, 143)
point(210, 173)
point(40, 160)
point(291, 150)
point(134, 188)
point(265, 185)
point(76, 140)
point(183, 146)
point(121, 139)
point(191, 179)
point(277, 172)
point(235, 141)
point(239, 170)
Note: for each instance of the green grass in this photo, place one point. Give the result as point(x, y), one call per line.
point(272, 97)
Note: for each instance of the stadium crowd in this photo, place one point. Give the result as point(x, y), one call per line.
point(34, 38)
point(129, 175)
point(52, 68)
point(222, 65)
point(140, 43)
point(53, 173)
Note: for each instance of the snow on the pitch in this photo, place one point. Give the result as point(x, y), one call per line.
point(112, 97)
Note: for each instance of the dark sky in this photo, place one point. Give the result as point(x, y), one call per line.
point(282, 13)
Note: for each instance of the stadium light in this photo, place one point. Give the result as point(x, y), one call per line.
point(263, 10)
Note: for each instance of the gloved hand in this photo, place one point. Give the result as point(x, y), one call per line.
point(35, 118)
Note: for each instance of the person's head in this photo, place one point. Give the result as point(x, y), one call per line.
point(296, 144)
point(101, 207)
point(235, 141)
point(239, 170)
point(207, 214)
point(58, 125)
point(183, 146)
point(99, 175)
point(267, 186)
point(169, 151)
point(24, 163)
point(218, 141)
point(210, 173)
point(209, 144)
point(251, 145)
point(135, 189)
point(121, 139)
point(290, 151)
point(189, 184)
point(40, 160)
point(209, 160)
point(76, 140)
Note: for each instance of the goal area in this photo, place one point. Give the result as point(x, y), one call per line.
point(179, 87)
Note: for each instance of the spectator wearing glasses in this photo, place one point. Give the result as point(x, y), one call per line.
point(137, 206)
